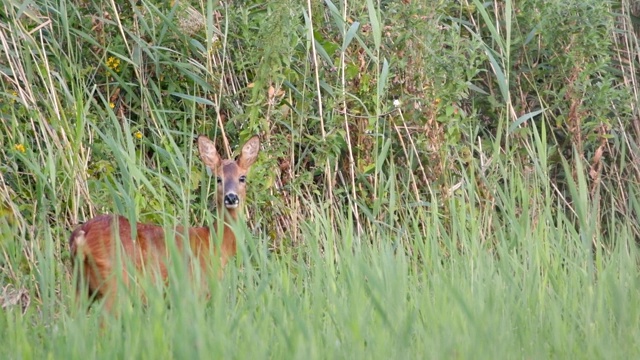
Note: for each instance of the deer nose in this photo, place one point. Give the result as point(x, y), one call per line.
point(231, 201)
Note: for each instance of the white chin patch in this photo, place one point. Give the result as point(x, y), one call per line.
point(231, 206)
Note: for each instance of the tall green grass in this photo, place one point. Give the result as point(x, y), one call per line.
point(513, 285)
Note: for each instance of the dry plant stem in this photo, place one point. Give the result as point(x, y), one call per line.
point(415, 151)
point(314, 57)
point(497, 5)
point(406, 154)
point(377, 122)
point(631, 48)
point(143, 80)
point(625, 51)
point(225, 140)
point(343, 81)
point(54, 101)
point(292, 174)
point(25, 92)
point(123, 33)
point(81, 177)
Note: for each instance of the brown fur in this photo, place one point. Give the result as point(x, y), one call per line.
point(93, 244)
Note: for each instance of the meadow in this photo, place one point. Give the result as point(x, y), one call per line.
point(437, 179)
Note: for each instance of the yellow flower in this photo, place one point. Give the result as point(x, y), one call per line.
point(113, 63)
point(20, 147)
point(112, 105)
point(138, 135)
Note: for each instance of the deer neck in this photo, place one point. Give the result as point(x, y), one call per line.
point(230, 218)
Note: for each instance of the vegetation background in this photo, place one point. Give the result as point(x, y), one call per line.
point(438, 178)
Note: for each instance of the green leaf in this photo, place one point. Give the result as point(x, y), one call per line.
point(524, 118)
point(350, 34)
point(382, 80)
point(196, 99)
point(376, 30)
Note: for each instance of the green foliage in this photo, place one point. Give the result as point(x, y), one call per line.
point(438, 179)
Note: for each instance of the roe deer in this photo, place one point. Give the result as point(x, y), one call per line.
point(93, 244)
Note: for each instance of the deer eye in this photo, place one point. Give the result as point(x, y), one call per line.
point(243, 179)
point(219, 180)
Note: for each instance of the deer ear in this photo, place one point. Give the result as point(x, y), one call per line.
point(249, 152)
point(208, 153)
